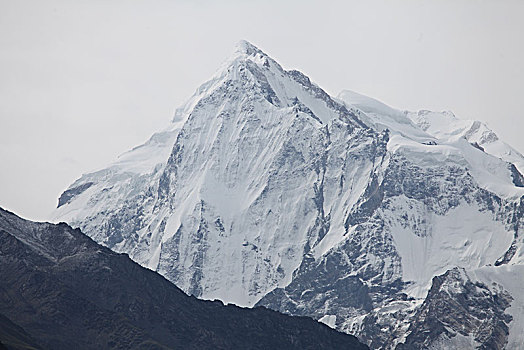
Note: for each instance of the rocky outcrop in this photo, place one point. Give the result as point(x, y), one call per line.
point(460, 313)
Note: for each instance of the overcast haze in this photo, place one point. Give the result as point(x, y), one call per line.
point(83, 81)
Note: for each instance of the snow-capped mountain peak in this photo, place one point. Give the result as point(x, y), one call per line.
point(265, 190)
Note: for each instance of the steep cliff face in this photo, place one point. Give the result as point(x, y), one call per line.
point(265, 190)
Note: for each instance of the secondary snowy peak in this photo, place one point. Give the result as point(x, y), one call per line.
point(437, 136)
point(446, 125)
point(266, 190)
point(436, 125)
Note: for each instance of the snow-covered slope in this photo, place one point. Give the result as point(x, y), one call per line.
point(465, 234)
point(444, 126)
point(265, 190)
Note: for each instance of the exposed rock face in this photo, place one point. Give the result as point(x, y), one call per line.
point(72, 192)
point(267, 191)
point(61, 290)
point(456, 307)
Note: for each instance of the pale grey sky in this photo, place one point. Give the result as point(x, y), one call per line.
point(83, 81)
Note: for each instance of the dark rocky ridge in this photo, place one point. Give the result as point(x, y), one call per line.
point(67, 292)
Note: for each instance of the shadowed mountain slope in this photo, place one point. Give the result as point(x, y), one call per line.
point(67, 292)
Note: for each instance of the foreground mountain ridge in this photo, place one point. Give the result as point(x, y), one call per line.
point(266, 190)
point(61, 290)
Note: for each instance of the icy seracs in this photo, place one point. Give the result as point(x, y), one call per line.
point(265, 190)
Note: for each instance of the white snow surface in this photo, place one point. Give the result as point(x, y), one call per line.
point(329, 320)
point(464, 237)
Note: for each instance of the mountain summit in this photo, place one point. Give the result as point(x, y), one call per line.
point(266, 190)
